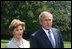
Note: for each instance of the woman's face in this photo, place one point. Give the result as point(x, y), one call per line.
point(18, 32)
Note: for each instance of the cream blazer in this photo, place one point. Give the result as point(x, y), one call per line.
point(14, 44)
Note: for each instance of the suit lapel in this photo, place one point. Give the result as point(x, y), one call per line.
point(45, 39)
point(55, 36)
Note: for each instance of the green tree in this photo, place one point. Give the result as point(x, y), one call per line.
point(28, 11)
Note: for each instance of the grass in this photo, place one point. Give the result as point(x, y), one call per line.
point(3, 43)
point(67, 44)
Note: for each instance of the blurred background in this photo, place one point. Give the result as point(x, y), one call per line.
point(28, 12)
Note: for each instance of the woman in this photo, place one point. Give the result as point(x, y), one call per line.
point(16, 29)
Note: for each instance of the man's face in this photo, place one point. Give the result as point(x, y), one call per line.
point(46, 21)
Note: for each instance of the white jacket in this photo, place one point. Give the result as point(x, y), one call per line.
point(14, 44)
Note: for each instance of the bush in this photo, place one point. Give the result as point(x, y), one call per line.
point(28, 11)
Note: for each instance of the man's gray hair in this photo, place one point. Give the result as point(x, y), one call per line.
point(42, 13)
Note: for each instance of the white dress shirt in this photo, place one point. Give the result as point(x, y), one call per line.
point(52, 35)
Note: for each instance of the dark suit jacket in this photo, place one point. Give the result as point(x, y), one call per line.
point(39, 39)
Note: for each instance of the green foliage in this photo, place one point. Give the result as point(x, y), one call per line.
point(28, 11)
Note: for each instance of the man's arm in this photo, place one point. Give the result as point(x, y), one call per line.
point(61, 40)
point(33, 42)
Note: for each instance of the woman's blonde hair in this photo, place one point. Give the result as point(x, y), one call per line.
point(14, 24)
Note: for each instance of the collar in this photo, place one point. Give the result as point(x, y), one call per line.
point(16, 43)
point(46, 30)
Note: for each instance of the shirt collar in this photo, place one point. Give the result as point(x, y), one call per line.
point(46, 30)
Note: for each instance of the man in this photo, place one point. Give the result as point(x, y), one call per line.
point(46, 36)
